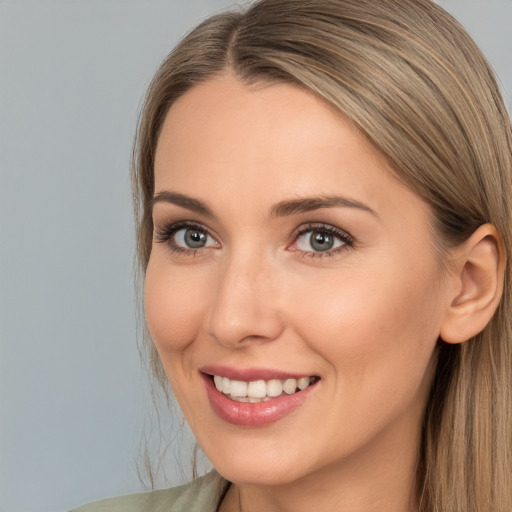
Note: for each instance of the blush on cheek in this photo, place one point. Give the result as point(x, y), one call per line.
point(172, 319)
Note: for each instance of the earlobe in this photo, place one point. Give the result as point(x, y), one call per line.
point(480, 268)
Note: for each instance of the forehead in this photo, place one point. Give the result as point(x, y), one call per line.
point(230, 141)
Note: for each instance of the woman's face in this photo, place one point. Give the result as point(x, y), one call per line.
point(286, 255)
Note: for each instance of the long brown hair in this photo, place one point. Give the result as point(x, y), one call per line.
point(412, 80)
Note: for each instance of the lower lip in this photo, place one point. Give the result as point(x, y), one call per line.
point(246, 414)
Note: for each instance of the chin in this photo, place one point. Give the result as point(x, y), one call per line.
point(252, 475)
point(273, 471)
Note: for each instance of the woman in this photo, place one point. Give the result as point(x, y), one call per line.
point(323, 195)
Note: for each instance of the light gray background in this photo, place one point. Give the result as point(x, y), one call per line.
point(73, 399)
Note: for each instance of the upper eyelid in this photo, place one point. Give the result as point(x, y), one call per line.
point(166, 230)
point(177, 225)
point(173, 227)
point(165, 234)
point(319, 226)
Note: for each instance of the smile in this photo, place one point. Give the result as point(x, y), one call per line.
point(257, 391)
point(255, 398)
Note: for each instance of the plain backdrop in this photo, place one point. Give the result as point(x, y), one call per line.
point(73, 397)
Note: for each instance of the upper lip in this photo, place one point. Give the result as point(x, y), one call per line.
point(251, 374)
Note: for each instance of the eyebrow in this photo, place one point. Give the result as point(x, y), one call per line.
point(184, 201)
point(281, 209)
point(303, 205)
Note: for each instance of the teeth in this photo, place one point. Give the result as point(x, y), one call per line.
point(260, 390)
point(218, 382)
point(274, 387)
point(289, 386)
point(237, 388)
point(226, 385)
point(303, 383)
point(256, 389)
point(249, 399)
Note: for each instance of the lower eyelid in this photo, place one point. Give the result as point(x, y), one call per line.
point(344, 237)
point(341, 241)
point(166, 235)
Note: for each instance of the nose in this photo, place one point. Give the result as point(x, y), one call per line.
point(246, 307)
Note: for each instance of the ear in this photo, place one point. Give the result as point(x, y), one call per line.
point(479, 275)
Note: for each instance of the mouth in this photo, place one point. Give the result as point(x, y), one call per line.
point(257, 391)
point(256, 398)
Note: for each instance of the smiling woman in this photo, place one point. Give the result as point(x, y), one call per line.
point(323, 195)
point(290, 310)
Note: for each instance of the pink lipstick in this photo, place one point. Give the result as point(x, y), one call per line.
point(255, 397)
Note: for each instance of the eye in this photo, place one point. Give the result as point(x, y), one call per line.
point(320, 240)
point(185, 237)
point(193, 238)
point(317, 241)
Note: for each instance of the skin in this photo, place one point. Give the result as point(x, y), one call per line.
point(365, 318)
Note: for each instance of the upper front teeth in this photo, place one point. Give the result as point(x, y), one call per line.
point(258, 389)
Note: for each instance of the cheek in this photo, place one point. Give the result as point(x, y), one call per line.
point(373, 328)
point(174, 304)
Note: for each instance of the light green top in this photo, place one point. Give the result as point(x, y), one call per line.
point(200, 495)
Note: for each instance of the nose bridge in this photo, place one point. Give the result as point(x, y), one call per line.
point(245, 307)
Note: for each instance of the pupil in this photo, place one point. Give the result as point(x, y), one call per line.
point(195, 239)
point(321, 241)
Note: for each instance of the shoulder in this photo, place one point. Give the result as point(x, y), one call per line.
point(200, 495)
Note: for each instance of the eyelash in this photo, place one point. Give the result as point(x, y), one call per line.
point(337, 233)
point(166, 234)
